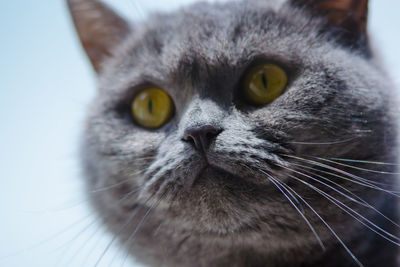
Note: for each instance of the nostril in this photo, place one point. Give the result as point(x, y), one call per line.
point(213, 133)
point(201, 136)
point(193, 139)
point(210, 135)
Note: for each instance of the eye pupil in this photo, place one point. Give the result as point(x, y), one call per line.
point(264, 80)
point(150, 105)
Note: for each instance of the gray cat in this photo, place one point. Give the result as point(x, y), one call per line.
point(250, 133)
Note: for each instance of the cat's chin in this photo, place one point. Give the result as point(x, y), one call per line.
point(213, 172)
point(218, 203)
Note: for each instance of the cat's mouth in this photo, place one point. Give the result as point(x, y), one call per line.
point(217, 194)
point(221, 202)
point(213, 166)
point(209, 170)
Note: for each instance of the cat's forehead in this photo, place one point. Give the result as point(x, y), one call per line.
point(208, 28)
point(211, 35)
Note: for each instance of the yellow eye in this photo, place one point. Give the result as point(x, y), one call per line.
point(264, 83)
point(152, 108)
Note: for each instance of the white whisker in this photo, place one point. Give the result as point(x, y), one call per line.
point(278, 185)
point(349, 211)
point(329, 227)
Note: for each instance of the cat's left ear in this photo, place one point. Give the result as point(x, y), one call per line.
point(346, 20)
point(99, 28)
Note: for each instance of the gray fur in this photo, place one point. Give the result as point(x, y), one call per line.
point(231, 214)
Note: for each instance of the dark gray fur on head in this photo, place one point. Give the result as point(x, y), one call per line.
point(243, 202)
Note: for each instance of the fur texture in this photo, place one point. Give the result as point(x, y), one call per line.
point(244, 201)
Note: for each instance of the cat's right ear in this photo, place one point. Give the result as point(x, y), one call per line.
point(99, 28)
point(345, 20)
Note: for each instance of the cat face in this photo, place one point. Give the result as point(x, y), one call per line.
point(224, 173)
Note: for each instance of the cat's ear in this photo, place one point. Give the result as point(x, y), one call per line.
point(345, 19)
point(100, 29)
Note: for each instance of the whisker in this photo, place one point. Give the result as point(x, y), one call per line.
point(126, 196)
point(96, 220)
point(315, 171)
point(298, 203)
point(329, 227)
point(354, 167)
point(324, 143)
point(361, 200)
point(82, 247)
point(143, 220)
point(326, 179)
point(277, 185)
point(106, 188)
point(365, 161)
point(92, 250)
point(74, 238)
point(71, 204)
point(68, 228)
point(47, 240)
point(110, 187)
point(349, 211)
point(138, 9)
point(123, 227)
point(364, 182)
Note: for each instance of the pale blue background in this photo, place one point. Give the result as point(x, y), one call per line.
point(45, 85)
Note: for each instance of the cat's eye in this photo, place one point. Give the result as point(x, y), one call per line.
point(264, 83)
point(152, 108)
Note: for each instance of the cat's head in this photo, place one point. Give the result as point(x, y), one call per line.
point(228, 126)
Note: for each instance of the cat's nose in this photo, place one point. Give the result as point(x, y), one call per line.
point(201, 136)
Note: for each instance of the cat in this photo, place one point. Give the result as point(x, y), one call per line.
point(244, 133)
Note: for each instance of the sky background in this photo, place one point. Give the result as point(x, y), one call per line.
point(46, 83)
